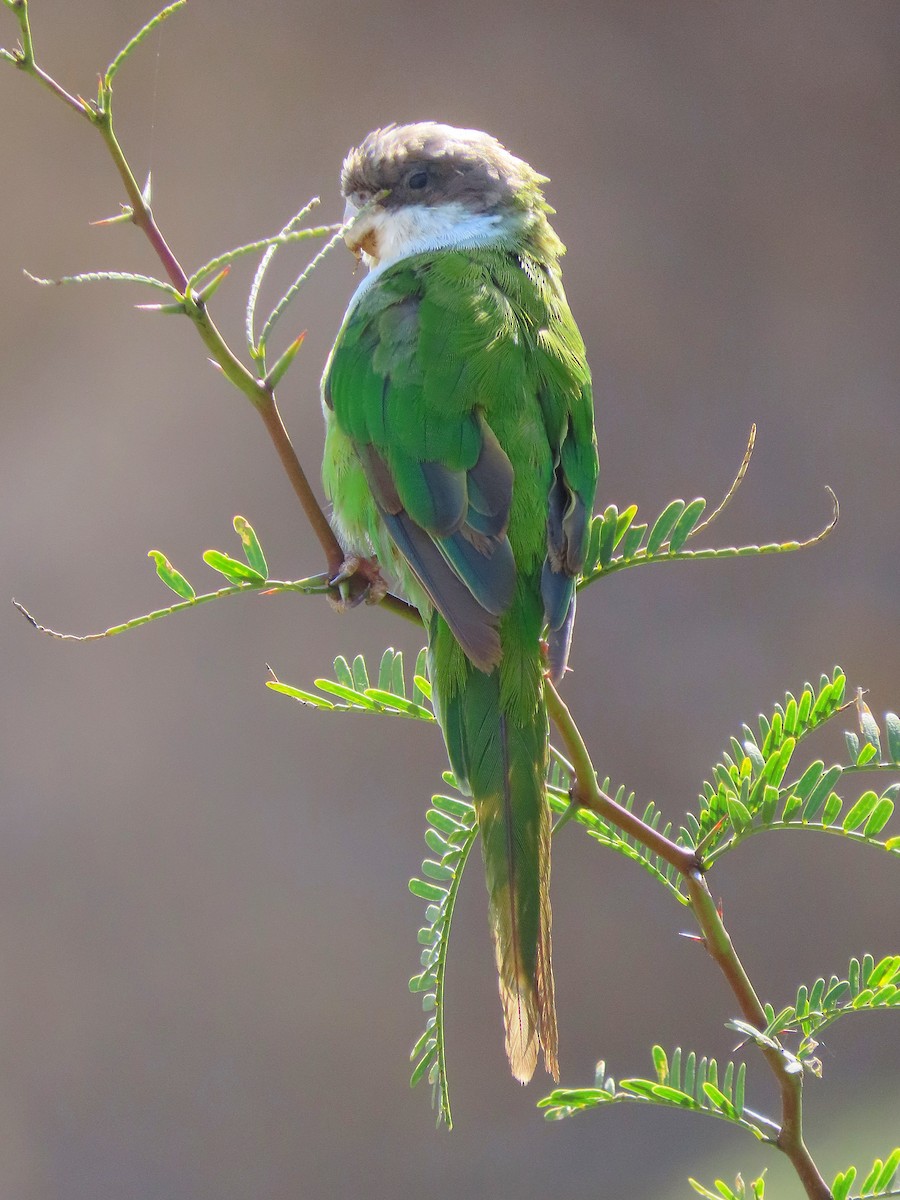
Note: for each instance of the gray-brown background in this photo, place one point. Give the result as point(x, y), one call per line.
point(205, 932)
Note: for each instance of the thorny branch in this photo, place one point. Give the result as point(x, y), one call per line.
point(786, 1069)
point(260, 391)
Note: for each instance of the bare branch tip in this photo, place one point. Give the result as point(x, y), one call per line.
point(25, 613)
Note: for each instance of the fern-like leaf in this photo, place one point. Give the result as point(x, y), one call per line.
point(751, 789)
point(263, 267)
point(449, 837)
point(354, 692)
point(685, 1082)
point(616, 542)
point(867, 986)
point(215, 265)
point(249, 577)
point(109, 277)
point(281, 307)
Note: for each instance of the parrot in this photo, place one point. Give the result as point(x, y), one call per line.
point(460, 455)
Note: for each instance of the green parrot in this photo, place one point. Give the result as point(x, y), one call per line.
point(460, 451)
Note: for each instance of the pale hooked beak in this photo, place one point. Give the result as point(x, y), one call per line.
point(363, 237)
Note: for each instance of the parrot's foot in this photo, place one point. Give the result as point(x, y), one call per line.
point(548, 665)
point(358, 579)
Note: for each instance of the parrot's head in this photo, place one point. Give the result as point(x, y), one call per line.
point(429, 186)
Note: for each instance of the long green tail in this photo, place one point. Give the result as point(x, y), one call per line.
point(495, 726)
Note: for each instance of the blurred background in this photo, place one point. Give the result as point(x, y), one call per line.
point(205, 930)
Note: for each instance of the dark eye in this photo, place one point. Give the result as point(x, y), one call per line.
point(417, 180)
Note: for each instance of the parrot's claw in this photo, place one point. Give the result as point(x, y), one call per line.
point(357, 579)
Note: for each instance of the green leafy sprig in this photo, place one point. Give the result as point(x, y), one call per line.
point(751, 790)
point(450, 835)
point(866, 987)
point(242, 577)
point(617, 542)
point(686, 1082)
point(351, 690)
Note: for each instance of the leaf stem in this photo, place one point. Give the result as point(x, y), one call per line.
point(24, 60)
point(736, 483)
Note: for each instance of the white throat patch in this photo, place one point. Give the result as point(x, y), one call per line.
point(416, 229)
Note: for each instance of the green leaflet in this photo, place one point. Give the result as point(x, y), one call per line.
point(663, 526)
point(685, 524)
point(739, 1192)
point(880, 1181)
point(171, 578)
point(234, 571)
point(892, 727)
point(252, 549)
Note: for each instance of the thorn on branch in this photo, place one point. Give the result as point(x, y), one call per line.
point(280, 369)
point(127, 214)
point(212, 287)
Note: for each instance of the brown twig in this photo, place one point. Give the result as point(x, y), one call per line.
point(260, 392)
point(790, 1079)
point(587, 793)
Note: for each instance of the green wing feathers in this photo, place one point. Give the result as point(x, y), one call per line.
point(461, 450)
